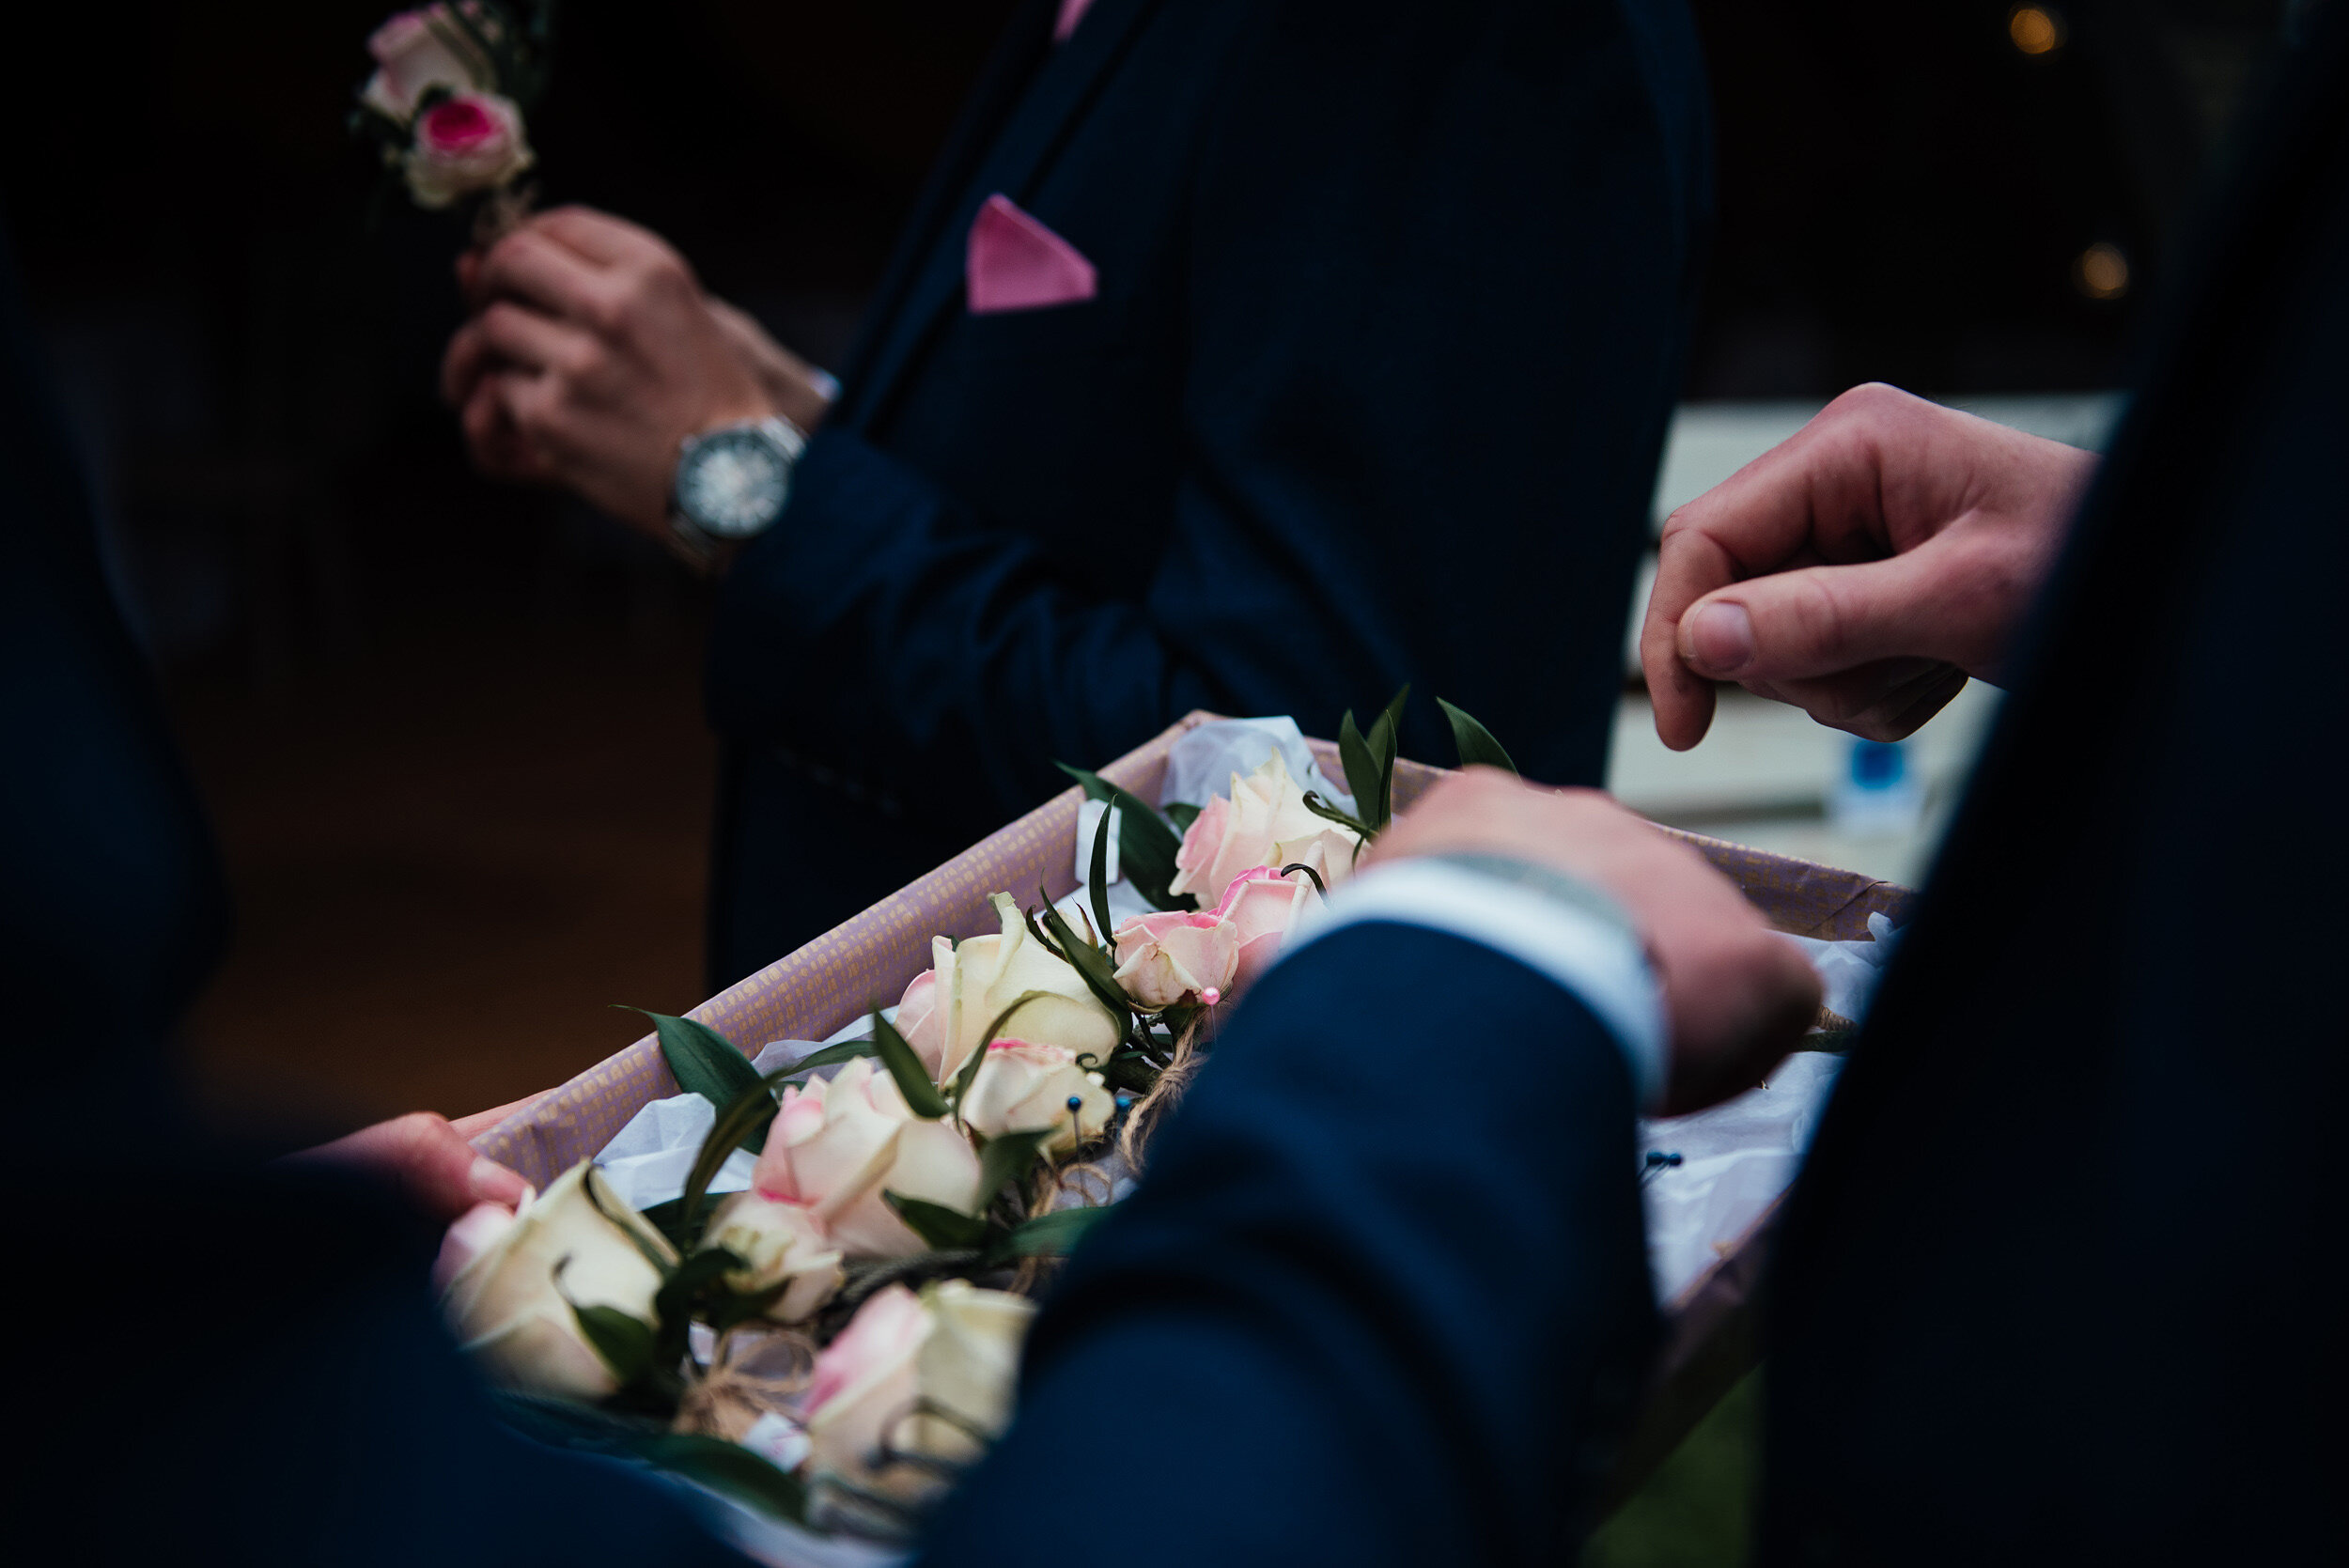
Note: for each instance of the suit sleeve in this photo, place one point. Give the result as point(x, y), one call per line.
point(1381, 1299)
point(1434, 293)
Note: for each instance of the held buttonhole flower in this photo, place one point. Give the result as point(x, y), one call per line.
point(464, 146)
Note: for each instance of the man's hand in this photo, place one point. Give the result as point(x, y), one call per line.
point(429, 1157)
point(1861, 570)
point(1736, 998)
point(596, 352)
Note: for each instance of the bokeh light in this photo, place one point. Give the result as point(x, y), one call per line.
point(2102, 273)
point(2035, 29)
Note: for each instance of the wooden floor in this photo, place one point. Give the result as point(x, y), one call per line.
point(449, 857)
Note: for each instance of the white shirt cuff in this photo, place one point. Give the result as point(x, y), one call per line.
point(1595, 959)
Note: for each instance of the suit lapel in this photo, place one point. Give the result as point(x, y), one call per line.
point(928, 276)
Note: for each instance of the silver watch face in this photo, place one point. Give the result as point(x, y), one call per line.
point(733, 483)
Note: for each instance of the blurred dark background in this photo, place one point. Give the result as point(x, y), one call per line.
point(450, 732)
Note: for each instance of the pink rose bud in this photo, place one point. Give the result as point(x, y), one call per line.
point(1260, 908)
point(1264, 821)
point(838, 1146)
point(464, 146)
point(1163, 958)
point(419, 50)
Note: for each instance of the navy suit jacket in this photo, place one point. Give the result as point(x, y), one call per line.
point(112, 909)
point(1392, 300)
point(2061, 1280)
point(296, 1402)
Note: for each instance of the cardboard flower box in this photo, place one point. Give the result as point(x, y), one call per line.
point(868, 960)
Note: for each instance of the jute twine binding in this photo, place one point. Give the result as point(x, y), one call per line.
point(738, 1387)
point(1086, 1178)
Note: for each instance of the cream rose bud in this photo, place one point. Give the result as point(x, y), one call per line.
point(464, 146)
point(954, 1348)
point(416, 50)
point(1264, 821)
point(969, 986)
point(576, 1243)
point(777, 1240)
point(1163, 958)
point(1026, 1087)
point(837, 1147)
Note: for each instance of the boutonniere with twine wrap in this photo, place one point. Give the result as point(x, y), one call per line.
point(444, 108)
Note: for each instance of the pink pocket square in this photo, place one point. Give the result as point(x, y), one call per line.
point(1015, 263)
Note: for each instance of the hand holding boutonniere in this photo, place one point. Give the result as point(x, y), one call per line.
point(444, 108)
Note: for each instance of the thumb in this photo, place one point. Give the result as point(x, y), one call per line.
point(1814, 622)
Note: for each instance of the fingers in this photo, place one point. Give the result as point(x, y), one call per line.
point(531, 268)
point(1688, 566)
point(534, 342)
point(499, 445)
point(1886, 701)
point(603, 238)
point(429, 1161)
point(472, 1126)
point(1737, 1018)
point(1735, 999)
point(1815, 499)
point(468, 277)
point(1818, 621)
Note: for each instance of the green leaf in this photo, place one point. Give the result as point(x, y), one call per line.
point(626, 1343)
point(913, 1080)
point(1147, 846)
point(1327, 812)
point(1098, 974)
point(680, 1293)
point(1048, 1235)
point(1362, 769)
point(1183, 814)
point(669, 1220)
point(1478, 749)
point(1006, 1157)
point(1099, 874)
point(728, 1468)
point(707, 1063)
point(937, 1224)
point(1037, 932)
point(727, 1308)
point(846, 1050)
point(1383, 741)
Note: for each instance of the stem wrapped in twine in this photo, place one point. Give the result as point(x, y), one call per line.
point(1087, 1177)
point(1164, 1096)
point(755, 1369)
point(503, 211)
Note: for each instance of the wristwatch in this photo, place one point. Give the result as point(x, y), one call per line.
point(731, 483)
